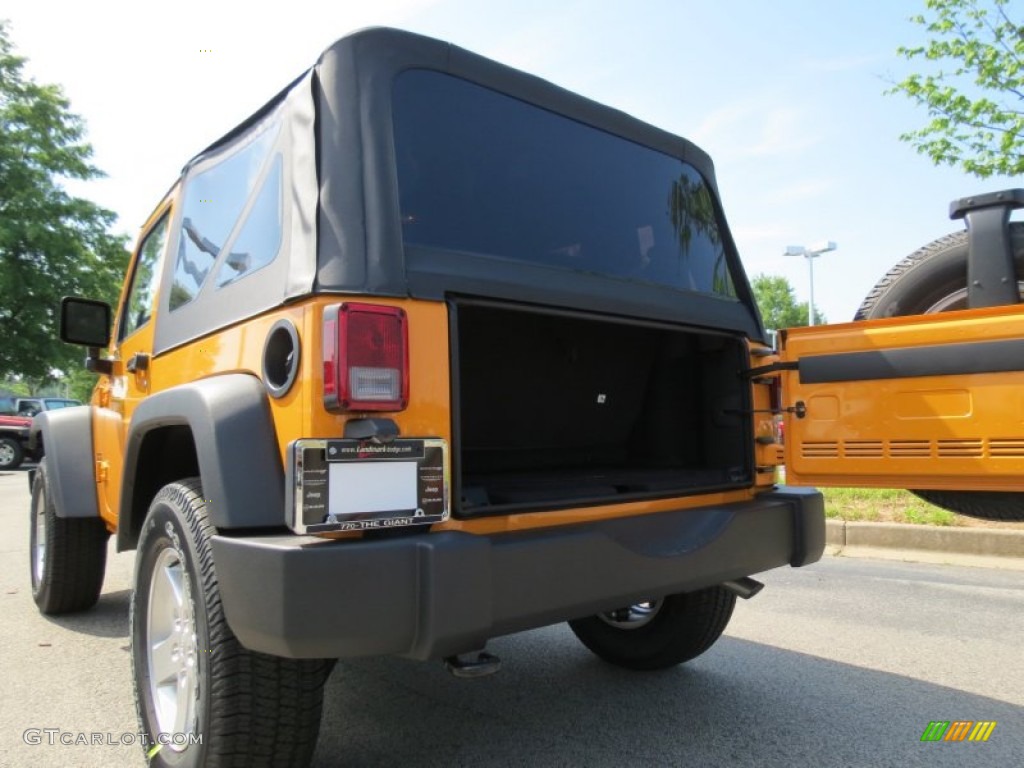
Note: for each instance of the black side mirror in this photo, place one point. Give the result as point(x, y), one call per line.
point(86, 322)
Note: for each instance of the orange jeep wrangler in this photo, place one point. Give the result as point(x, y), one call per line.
point(429, 351)
point(425, 352)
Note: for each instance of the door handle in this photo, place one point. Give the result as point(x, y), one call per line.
point(137, 363)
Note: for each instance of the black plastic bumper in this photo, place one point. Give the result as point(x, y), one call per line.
point(436, 594)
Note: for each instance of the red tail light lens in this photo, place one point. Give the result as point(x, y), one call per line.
point(366, 358)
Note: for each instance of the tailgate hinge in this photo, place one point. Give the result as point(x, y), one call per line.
point(798, 409)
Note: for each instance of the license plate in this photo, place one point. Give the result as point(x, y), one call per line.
point(359, 485)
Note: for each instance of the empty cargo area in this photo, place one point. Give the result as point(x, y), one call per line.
point(561, 409)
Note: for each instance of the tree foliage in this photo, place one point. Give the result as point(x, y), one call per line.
point(77, 383)
point(52, 244)
point(778, 304)
point(973, 88)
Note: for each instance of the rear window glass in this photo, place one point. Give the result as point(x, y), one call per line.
point(485, 173)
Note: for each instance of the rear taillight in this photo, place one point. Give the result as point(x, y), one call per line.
point(366, 358)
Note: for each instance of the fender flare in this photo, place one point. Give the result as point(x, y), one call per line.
point(236, 450)
point(66, 436)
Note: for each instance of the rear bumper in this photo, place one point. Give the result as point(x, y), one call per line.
point(436, 594)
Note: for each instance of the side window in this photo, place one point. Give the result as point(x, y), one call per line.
point(260, 237)
point(214, 200)
point(139, 306)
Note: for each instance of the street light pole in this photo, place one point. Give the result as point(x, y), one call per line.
point(810, 309)
point(811, 254)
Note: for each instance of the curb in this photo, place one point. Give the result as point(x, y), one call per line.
point(989, 547)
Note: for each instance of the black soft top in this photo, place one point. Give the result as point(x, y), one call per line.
point(343, 232)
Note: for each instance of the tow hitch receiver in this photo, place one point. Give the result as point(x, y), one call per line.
point(483, 665)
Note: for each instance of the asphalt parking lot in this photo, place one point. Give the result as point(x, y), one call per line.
point(843, 663)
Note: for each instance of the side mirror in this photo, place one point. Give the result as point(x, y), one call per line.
point(87, 322)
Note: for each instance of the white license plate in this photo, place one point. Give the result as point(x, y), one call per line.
point(371, 486)
point(353, 485)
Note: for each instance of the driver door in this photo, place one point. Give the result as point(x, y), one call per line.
point(130, 352)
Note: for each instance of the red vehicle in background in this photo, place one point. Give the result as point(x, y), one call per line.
point(16, 415)
point(14, 441)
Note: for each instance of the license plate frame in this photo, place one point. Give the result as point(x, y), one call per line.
point(404, 482)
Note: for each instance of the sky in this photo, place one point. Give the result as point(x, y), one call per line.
point(787, 96)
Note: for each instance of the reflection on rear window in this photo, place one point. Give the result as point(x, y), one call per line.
point(485, 173)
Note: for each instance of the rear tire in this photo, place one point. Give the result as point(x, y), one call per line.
point(67, 556)
point(193, 680)
point(660, 633)
point(934, 279)
point(11, 453)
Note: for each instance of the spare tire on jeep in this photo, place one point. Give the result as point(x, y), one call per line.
point(934, 279)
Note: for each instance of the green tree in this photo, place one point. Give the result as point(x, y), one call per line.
point(778, 304)
point(52, 244)
point(80, 383)
point(15, 387)
point(973, 88)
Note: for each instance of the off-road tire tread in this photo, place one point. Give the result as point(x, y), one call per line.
point(264, 710)
point(900, 270)
point(686, 626)
point(76, 556)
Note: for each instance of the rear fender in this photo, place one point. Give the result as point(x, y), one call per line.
point(66, 437)
point(235, 449)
